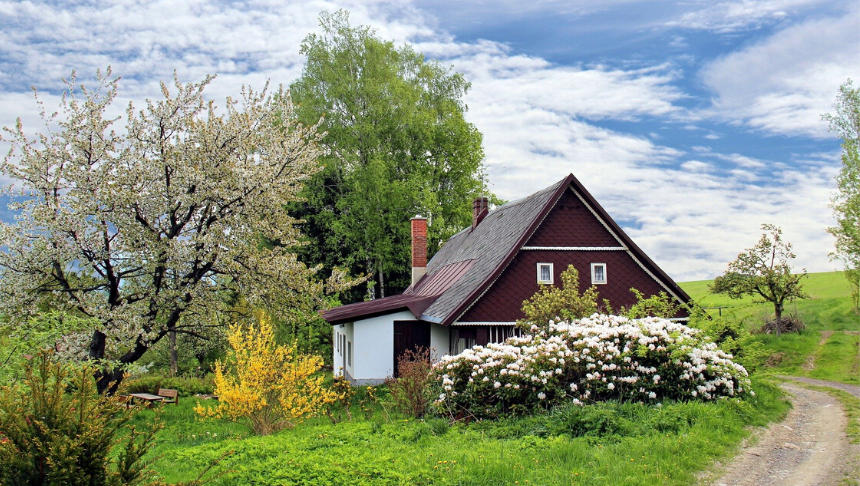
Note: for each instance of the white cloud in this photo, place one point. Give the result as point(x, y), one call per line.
point(499, 78)
point(692, 220)
point(540, 120)
point(783, 84)
point(696, 166)
point(725, 17)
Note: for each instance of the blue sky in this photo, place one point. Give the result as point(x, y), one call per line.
point(691, 122)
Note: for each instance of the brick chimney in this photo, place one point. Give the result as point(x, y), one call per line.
point(480, 208)
point(419, 248)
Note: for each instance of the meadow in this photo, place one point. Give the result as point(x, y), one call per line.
point(601, 444)
point(829, 347)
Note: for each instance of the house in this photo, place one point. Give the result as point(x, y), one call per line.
point(473, 289)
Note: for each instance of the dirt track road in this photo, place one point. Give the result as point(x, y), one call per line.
point(809, 448)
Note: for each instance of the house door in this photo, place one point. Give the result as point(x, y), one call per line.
point(409, 335)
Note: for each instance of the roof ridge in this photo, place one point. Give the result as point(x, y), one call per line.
point(522, 200)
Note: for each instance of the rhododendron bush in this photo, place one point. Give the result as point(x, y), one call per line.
point(592, 359)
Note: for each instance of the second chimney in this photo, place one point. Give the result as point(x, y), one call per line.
point(419, 248)
point(480, 208)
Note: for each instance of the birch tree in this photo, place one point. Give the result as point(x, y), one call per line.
point(846, 202)
point(398, 145)
point(140, 226)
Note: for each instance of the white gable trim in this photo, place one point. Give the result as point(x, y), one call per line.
point(659, 282)
point(576, 248)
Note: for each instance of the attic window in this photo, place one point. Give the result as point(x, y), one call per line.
point(544, 273)
point(598, 273)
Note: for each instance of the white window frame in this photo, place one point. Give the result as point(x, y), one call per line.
point(605, 277)
point(545, 282)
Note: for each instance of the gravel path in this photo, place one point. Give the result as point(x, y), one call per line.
point(809, 448)
point(852, 389)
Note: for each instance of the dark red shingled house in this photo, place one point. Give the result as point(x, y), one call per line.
point(472, 291)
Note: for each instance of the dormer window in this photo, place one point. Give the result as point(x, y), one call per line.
point(598, 273)
point(544, 273)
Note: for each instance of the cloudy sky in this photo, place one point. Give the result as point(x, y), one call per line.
point(692, 122)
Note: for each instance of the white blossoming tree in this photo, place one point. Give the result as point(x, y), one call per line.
point(140, 227)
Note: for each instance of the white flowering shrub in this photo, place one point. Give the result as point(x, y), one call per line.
point(598, 358)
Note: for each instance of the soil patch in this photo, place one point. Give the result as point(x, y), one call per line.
point(809, 448)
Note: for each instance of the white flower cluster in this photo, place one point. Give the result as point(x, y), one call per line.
point(597, 358)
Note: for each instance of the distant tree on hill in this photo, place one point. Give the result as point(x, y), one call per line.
point(846, 202)
point(763, 271)
point(397, 145)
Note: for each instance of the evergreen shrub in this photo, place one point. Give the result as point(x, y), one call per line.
point(55, 429)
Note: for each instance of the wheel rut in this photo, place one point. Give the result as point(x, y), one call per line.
point(809, 448)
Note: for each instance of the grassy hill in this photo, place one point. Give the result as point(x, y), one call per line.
point(828, 349)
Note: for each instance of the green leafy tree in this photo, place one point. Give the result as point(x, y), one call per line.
point(44, 331)
point(659, 305)
point(552, 303)
point(138, 228)
point(763, 271)
point(397, 145)
point(846, 202)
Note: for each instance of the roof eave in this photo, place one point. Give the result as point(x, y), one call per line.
point(416, 306)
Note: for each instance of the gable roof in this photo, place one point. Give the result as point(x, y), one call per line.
point(470, 262)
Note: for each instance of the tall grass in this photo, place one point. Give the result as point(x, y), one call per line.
point(607, 444)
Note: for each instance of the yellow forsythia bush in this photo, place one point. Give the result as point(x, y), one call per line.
point(270, 385)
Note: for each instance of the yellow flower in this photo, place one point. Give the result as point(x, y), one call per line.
point(272, 386)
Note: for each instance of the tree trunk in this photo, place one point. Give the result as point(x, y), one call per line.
point(381, 285)
point(777, 308)
point(97, 346)
point(108, 377)
point(201, 360)
point(371, 287)
point(174, 368)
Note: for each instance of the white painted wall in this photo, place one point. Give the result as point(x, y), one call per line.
point(373, 347)
point(339, 348)
point(373, 358)
point(440, 341)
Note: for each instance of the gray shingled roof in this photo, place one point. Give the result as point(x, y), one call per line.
point(489, 244)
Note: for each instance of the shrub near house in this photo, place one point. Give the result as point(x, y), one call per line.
point(593, 359)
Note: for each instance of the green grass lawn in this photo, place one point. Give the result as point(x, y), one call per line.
point(627, 444)
point(829, 349)
point(602, 444)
